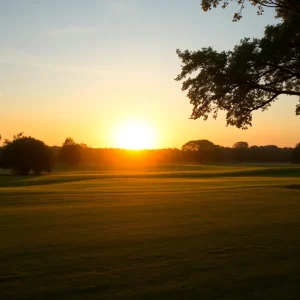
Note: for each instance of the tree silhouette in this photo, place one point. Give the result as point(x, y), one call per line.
point(296, 154)
point(251, 76)
point(24, 154)
point(198, 145)
point(241, 145)
point(201, 150)
point(284, 8)
point(70, 152)
point(240, 151)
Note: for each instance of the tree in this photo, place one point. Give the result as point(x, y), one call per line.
point(251, 76)
point(198, 145)
point(24, 154)
point(240, 151)
point(284, 8)
point(201, 150)
point(70, 152)
point(241, 145)
point(296, 155)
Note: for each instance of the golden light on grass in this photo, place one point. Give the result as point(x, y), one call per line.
point(135, 135)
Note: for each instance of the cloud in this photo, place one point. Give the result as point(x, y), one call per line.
point(70, 31)
point(22, 59)
point(122, 7)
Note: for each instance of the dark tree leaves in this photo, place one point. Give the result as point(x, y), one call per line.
point(284, 8)
point(70, 152)
point(24, 154)
point(296, 155)
point(248, 78)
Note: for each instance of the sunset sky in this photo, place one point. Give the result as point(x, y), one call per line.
point(86, 69)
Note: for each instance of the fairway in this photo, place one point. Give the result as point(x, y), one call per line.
point(188, 232)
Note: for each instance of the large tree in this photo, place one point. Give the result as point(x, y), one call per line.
point(252, 75)
point(284, 8)
point(24, 154)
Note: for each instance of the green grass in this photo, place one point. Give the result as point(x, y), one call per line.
point(178, 232)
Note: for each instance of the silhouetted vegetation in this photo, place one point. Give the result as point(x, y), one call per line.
point(240, 151)
point(192, 152)
point(296, 154)
point(70, 152)
point(24, 154)
point(251, 76)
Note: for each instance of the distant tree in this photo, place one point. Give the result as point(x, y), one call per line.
point(201, 150)
point(296, 155)
point(252, 75)
point(24, 154)
point(82, 145)
point(198, 145)
point(69, 142)
point(70, 152)
point(241, 145)
point(219, 154)
point(240, 151)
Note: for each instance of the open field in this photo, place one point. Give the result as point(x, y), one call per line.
point(188, 232)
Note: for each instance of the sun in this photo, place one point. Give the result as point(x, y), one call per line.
point(135, 135)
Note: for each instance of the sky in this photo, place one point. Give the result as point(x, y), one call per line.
point(86, 69)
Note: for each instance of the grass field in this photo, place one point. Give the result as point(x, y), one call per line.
point(179, 232)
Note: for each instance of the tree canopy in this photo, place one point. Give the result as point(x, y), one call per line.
point(241, 145)
point(296, 154)
point(284, 8)
point(252, 75)
point(70, 152)
point(24, 154)
point(198, 145)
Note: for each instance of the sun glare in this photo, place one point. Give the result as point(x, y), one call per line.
point(135, 136)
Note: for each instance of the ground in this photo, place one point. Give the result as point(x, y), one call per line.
point(180, 232)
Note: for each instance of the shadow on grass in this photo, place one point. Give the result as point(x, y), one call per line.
point(62, 177)
point(293, 186)
point(7, 181)
point(10, 180)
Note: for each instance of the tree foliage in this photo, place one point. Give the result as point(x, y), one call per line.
point(241, 145)
point(296, 154)
point(251, 76)
point(24, 154)
point(284, 8)
point(70, 152)
point(202, 151)
point(195, 152)
point(240, 151)
point(198, 145)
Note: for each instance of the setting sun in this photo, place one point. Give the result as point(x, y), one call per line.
point(135, 136)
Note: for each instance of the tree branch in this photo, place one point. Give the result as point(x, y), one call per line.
point(271, 90)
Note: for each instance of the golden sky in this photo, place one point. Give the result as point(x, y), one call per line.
point(89, 71)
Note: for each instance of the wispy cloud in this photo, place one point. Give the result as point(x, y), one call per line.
point(22, 59)
point(122, 7)
point(69, 31)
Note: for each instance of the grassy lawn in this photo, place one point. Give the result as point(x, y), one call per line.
point(230, 232)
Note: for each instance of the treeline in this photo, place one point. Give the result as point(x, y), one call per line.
point(197, 151)
point(24, 155)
